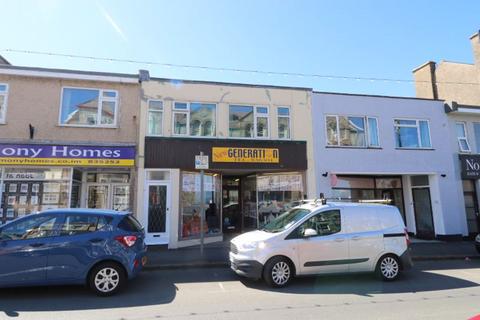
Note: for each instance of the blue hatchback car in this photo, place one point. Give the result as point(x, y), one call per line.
point(100, 248)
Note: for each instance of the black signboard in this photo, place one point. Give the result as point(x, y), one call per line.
point(470, 164)
point(163, 152)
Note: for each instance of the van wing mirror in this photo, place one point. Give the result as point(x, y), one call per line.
point(310, 233)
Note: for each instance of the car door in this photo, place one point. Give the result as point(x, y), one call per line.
point(325, 252)
point(24, 248)
point(81, 241)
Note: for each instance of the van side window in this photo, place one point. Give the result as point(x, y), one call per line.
point(325, 223)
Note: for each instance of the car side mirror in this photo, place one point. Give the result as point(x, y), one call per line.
point(310, 233)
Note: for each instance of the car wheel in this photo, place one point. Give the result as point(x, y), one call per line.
point(278, 272)
point(388, 268)
point(106, 279)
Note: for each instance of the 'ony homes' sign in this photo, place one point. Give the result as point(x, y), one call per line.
point(470, 166)
point(66, 155)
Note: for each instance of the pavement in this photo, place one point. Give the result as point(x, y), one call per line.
point(435, 290)
point(216, 254)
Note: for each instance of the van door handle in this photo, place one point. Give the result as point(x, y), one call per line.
point(355, 238)
point(339, 239)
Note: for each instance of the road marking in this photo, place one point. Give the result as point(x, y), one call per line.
point(221, 286)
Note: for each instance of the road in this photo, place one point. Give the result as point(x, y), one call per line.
point(432, 290)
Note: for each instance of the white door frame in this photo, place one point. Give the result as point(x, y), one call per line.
point(160, 237)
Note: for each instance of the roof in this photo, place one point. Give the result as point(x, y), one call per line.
point(4, 61)
point(85, 211)
point(374, 96)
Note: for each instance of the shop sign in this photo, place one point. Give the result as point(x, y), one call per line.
point(66, 155)
point(252, 155)
point(470, 166)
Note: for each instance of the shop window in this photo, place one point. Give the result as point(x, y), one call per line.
point(3, 102)
point(283, 119)
point(249, 122)
point(155, 118)
point(462, 140)
point(89, 107)
point(194, 119)
point(349, 131)
point(190, 205)
point(412, 134)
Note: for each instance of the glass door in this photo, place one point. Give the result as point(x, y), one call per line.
point(121, 197)
point(423, 213)
point(158, 213)
point(97, 196)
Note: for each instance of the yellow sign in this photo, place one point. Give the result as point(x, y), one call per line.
point(254, 155)
point(68, 162)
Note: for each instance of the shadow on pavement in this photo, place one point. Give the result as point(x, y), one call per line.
point(418, 279)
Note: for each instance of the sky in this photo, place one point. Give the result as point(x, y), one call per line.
point(346, 38)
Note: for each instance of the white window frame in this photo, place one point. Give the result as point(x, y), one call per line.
point(187, 112)
point(417, 126)
point(367, 132)
point(257, 115)
point(289, 117)
point(3, 116)
point(100, 101)
point(155, 111)
point(464, 138)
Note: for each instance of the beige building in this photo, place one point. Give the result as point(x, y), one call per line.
point(257, 138)
point(67, 139)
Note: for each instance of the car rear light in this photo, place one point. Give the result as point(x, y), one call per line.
point(407, 237)
point(127, 241)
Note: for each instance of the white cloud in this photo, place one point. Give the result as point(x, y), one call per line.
point(112, 22)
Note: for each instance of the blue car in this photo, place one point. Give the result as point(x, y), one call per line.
point(99, 248)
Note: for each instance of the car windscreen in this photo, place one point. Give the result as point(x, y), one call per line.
point(129, 223)
point(285, 220)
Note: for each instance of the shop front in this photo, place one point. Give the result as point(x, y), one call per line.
point(470, 174)
point(248, 183)
point(35, 177)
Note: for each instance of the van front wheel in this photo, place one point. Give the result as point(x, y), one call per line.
point(388, 268)
point(278, 272)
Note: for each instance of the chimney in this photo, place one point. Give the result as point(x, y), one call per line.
point(475, 40)
point(4, 61)
point(425, 80)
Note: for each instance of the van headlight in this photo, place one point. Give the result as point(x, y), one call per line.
point(253, 245)
point(477, 238)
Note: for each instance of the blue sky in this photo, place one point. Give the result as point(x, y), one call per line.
point(368, 38)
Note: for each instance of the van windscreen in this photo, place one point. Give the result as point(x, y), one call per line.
point(285, 220)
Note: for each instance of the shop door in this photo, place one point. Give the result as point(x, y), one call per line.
point(158, 213)
point(231, 212)
point(423, 213)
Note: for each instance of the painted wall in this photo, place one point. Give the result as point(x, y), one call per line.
point(36, 101)
point(447, 197)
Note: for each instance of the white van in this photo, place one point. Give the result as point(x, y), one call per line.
point(320, 238)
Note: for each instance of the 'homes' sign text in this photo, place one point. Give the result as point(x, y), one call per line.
point(470, 166)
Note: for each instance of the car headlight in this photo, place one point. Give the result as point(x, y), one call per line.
point(253, 245)
point(477, 238)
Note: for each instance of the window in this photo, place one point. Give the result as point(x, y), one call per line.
point(89, 107)
point(349, 131)
point(324, 223)
point(249, 121)
point(194, 119)
point(463, 144)
point(78, 224)
point(283, 114)
point(155, 118)
point(129, 223)
point(476, 131)
point(3, 102)
point(30, 228)
point(412, 134)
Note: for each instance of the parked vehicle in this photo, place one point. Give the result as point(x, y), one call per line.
point(99, 248)
point(323, 239)
point(477, 242)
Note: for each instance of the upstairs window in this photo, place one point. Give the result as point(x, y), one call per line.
point(155, 118)
point(463, 144)
point(283, 114)
point(194, 119)
point(249, 122)
point(89, 107)
point(3, 102)
point(350, 131)
point(412, 134)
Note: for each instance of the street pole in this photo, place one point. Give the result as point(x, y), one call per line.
point(202, 208)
